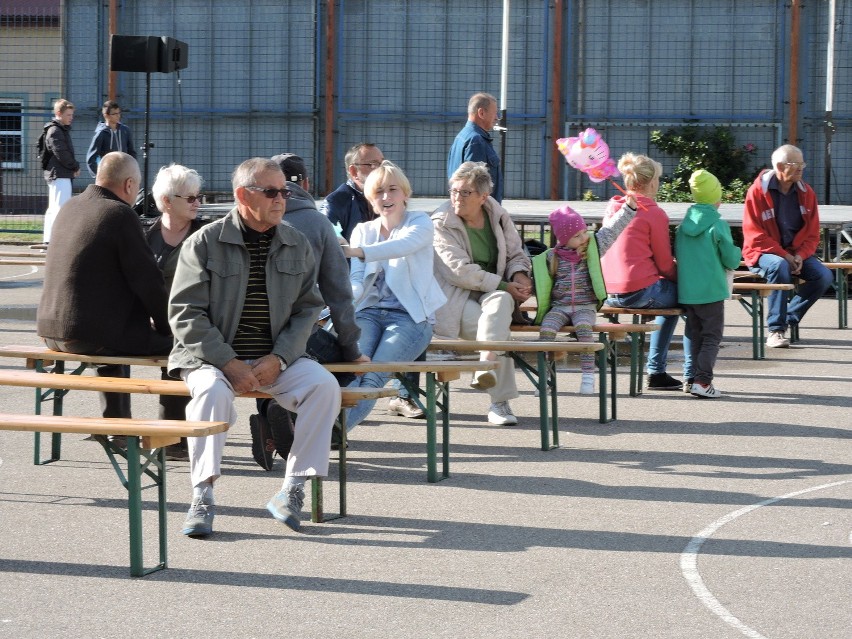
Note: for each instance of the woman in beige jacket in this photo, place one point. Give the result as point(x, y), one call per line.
point(483, 271)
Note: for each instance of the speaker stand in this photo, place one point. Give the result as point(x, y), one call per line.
point(146, 144)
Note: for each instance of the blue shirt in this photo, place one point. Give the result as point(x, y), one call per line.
point(474, 144)
point(788, 215)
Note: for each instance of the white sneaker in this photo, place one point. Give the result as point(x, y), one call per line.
point(587, 384)
point(501, 414)
point(708, 391)
point(776, 339)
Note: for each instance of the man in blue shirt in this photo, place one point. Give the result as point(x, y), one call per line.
point(474, 142)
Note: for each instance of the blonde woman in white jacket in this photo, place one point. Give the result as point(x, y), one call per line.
point(483, 271)
point(396, 294)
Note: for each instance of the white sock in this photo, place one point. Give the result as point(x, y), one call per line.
point(204, 489)
point(292, 482)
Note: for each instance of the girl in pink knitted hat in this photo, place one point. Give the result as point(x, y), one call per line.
point(569, 282)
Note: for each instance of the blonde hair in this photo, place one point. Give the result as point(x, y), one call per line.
point(380, 176)
point(638, 170)
point(61, 106)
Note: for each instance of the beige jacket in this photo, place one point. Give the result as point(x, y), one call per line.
point(458, 275)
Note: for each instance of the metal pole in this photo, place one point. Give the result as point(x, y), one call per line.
point(504, 90)
point(146, 145)
point(829, 97)
point(112, 76)
point(556, 97)
point(792, 129)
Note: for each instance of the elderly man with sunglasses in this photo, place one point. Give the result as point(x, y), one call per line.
point(781, 234)
point(243, 302)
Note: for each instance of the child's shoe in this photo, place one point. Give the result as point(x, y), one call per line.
point(687, 385)
point(708, 391)
point(587, 384)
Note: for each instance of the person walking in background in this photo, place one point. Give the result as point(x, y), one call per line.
point(484, 272)
point(475, 144)
point(391, 271)
point(569, 283)
point(705, 251)
point(60, 165)
point(110, 135)
point(780, 237)
point(346, 206)
point(639, 269)
point(177, 195)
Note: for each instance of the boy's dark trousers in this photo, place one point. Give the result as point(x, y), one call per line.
point(705, 324)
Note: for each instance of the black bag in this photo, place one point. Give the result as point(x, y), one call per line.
point(44, 154)
point(323, 347)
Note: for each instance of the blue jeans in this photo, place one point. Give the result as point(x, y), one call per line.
point(387, 335)
point(660, 294)
point(776, 270)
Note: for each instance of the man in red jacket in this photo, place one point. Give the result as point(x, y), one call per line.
point(780, 236)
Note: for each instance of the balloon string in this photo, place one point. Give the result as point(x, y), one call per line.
point(618, 186)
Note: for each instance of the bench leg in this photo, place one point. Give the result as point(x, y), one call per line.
point(56, 396)
point(608, 356)
point(133, 484)
point(432, 389)
point(842, 289)
point(318, 515)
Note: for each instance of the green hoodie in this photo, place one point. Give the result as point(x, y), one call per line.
point(704, 250)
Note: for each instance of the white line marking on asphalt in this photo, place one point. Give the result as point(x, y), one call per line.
point(689, 559)
point(33, 270)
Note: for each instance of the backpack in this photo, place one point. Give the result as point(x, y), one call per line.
point(44, 154)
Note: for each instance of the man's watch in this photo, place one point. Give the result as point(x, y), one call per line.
point(283, 363)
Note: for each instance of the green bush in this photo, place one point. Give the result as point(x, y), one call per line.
point(712, 149)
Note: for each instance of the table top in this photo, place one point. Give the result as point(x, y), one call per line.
point(536, 211)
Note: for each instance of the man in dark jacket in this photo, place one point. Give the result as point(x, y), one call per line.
point(61, 166)
point(347, 205)
point(110, 135)
point(102, 287)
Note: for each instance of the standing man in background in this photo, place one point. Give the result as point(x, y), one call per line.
point(59, 164)
point(110, 135)
point(474, 142)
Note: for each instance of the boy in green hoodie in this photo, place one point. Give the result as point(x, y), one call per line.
point(704, 250)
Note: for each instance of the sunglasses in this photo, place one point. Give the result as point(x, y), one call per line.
point(271, 193)
point(190, 198)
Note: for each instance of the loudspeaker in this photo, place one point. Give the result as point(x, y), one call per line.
point(147, 54)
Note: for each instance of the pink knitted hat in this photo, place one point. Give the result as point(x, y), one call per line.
point(565, 223)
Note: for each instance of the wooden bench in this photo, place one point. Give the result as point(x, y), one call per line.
point(543, 375)
point(59, 382)
point(142, 436)
point(641, 316)
point(436, 390)
point(610, 335)
point(19, 261)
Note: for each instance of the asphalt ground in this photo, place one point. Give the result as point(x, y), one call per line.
point(684, 518)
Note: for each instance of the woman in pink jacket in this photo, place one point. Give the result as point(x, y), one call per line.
point(639, 269)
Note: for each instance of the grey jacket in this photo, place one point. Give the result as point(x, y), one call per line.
point(209, 290)
point(333, 276)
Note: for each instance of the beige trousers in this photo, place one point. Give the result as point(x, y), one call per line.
point(490, 319)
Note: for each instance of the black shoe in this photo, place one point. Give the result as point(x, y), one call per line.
point(281, 428)
point(663, 381)
point(262, 446)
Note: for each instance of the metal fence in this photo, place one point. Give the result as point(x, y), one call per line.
point(316, 76)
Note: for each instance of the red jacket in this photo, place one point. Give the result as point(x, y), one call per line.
point(642, 254)
point(760, 230)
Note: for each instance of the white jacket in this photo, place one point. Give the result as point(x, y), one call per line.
point(407, 258)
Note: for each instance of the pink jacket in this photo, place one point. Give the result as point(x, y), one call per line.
point(642, 254)
point(760, 230)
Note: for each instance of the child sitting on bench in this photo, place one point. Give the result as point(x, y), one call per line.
point(569, 282)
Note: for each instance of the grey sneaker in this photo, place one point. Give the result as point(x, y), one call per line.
point(286, 506)
point(709, 391)
point(405, 407)
point(501, 414)
point(199, 519)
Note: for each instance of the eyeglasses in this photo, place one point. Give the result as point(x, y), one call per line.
point(372, 165)
point(191, 199)
point(462, 193)
point(271, 193)
point(796, 165)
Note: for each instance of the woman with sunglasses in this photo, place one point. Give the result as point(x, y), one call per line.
point(177, 195)
point(395, 292)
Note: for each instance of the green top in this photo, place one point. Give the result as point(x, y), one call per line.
point(483, 246)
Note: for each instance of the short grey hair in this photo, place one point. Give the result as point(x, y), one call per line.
point(476, 174)
point(782, 154)
point(479, 101)
point(172, 179)
point(355, 151)
point(246, 173)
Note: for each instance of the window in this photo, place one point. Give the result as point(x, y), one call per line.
point(11, 134)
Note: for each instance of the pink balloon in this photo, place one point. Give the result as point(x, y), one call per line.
point(590, 154)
